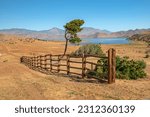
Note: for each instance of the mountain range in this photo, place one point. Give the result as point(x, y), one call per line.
point(58, 34)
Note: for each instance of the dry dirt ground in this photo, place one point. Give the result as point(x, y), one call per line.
point(19, 82)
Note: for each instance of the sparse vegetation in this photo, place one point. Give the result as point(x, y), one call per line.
point(147, 54)
point(125, 68)
point(29, 84)
point(141, 37)
point(89, 49)
point(12, 42)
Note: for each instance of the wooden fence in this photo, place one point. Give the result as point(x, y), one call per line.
point(56, 64)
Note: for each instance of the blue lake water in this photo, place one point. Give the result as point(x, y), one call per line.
point(105, 41)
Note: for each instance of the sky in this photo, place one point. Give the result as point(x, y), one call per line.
point(112, 15)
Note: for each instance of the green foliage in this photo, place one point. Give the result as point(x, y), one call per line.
point(89, 49)
point(125, 68)
point(74, 26)
point(75, 41)
point(71, 30)
point(130, 69)
point(100, 71)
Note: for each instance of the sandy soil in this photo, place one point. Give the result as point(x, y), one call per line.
point(19, 82)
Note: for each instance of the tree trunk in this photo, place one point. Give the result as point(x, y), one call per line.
point(66, 46)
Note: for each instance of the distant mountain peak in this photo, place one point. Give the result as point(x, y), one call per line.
point(91, 31)
point(56, 28)
point(56, 33)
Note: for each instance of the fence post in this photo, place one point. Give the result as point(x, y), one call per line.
point(83, 65)
point(21, 60)
point(68, 64)
point(36, 62)
point(50, 63)
point(32, 62)
point(58, 67)
point(92, 67)
point(45, 62)
point(27, 61)
point(40, 62)
point(111, 65)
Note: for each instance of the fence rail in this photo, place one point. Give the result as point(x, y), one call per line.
point(53, 63)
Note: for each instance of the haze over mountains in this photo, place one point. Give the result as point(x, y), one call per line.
point(58, 34)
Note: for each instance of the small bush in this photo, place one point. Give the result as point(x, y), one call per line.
point(130, 69)
point(89, 49)
point(125, 68)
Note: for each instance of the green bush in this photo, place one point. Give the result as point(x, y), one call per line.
point(130, 69)
point(99, 71)
point(89, 49)
point(125, 68)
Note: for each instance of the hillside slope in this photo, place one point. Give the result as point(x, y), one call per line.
point(141, 37)
point(58, 34)
point(19, 82)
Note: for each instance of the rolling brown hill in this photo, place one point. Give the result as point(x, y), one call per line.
point(58, 34)
point(19, 82)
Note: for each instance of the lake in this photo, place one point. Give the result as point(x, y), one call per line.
point(105, 41)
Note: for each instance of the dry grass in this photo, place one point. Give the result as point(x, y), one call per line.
point(19, 82)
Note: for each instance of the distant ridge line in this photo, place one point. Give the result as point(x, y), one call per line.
point(56, 33)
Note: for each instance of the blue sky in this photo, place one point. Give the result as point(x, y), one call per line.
point(113, 15)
